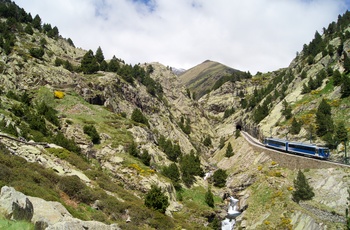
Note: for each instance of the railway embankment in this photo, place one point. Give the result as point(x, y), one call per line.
point(291, 161)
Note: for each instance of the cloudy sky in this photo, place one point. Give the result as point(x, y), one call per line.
point(249, 35)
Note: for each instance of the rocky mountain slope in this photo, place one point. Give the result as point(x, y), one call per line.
point(150, 131)
point(202, 78)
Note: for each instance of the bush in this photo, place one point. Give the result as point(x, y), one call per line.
point(156, 199)
point(145, 158)
point(49, 113)
point(132, 149)
point(76, 189)
point(59, 94)
point(207, 141)
point(137, 116)
point(61, 140)
point(71, 185)
point(91, 131)
point(37, 52)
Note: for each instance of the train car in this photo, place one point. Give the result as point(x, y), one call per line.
point(308, 150)
point(276, 144)
point(297, 148)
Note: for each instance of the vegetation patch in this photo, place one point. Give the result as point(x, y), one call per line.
point(15, 225)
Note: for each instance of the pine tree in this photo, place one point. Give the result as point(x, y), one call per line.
point(104, 66)
point(303, 191)
point(345, 87)
point(172, 172)
point(341, 134)
point(37, 22)
point(229, 150)
point(219, 178)
point(89, 64)
point(209, 198)
point(347, 215)
point(113, 65)
point(346, 63)
point(324, 119)
point(190, 166)
point(99, 55)
point(222, 142)
point(287, 110)
point(296, 126)
point(337, 78)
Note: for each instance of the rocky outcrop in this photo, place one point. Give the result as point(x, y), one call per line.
point(15, 205)
point(45, 215)
point(80, 225)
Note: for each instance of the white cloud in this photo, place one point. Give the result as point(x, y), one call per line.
point(254, 35)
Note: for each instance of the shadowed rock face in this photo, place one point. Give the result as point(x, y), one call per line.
point(15, 205)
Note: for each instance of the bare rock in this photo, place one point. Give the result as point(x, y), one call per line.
point(48, 212)
point(15, 205)
point(76, 224)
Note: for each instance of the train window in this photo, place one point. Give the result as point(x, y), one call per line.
point(302, 147)
point(276, 143)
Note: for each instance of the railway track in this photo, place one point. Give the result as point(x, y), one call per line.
point(253, 141)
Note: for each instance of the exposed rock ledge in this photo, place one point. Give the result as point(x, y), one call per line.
point(48, 215)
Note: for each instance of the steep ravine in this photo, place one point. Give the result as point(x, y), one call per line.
point(264, 191)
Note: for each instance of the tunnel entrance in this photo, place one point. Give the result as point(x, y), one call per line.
point(239, 127)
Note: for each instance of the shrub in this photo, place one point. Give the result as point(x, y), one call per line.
point(237, 133)
point(156, 199)
point(222, 143)
point(59, 94)
point(207, 141)
point(49, 113)
point(76, 189)
point(71, 185)
point(37, 52)
point(137, 116)
point(61, 140)
point(132, 149)
point(91, 131)
point(145, 158)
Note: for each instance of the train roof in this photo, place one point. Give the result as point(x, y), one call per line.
point(276, 139)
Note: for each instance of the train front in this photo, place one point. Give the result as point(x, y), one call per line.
point(324, 153)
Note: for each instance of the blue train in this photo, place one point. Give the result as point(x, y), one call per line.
point(298, 148)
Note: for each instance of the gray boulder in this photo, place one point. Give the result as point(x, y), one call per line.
point(15, 205)
point(47, 213)
point(76, 224)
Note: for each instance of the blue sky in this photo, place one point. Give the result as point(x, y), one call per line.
point(250, 35)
